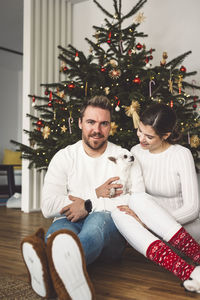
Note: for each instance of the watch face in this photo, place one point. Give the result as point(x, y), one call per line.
point(88, 205)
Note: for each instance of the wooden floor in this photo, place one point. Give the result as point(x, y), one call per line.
point(133, 278)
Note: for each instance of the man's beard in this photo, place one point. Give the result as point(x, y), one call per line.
point(86, 141)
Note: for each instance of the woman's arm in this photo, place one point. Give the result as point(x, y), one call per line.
point(189, 187)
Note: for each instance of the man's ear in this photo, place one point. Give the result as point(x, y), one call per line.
point(166, 135)
point(79, 123)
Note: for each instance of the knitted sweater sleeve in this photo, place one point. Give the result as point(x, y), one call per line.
point(54, 193)
point(189, 187)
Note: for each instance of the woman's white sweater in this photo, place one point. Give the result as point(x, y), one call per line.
point(170, 177)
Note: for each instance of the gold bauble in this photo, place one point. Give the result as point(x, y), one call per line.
point(194, 141)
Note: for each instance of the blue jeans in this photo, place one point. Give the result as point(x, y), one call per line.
point(97, 233)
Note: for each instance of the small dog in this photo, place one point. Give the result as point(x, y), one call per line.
point(123, 163)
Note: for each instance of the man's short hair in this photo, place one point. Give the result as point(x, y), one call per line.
point(97, 101)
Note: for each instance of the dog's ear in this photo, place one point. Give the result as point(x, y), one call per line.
point(112, 159)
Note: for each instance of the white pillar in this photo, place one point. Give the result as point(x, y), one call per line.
point(47, 24)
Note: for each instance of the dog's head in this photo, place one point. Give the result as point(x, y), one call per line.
point(124, 160)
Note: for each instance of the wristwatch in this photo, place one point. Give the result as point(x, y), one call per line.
point(88, 205)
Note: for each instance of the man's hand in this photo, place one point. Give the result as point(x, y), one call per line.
point(104, 189)
point(130, 212)
point(76, 210)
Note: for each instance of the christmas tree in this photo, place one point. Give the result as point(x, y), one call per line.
point(119, 66)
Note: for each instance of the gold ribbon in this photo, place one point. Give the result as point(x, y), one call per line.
point(132, 111)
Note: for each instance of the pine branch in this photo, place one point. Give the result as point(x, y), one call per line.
point(103, 9)
point(135, 9)
point(178, 60)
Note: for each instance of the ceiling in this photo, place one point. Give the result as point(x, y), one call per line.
point(11, 24)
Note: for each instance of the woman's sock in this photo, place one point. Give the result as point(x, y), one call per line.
point(185, 243)
point(164, 256)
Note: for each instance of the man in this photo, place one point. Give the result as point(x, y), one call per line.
point(74, 195)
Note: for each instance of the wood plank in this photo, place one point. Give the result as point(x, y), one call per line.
point(132, 278)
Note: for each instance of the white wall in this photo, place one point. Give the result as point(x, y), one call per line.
point(11, 37)
point(10, 99)
point(171, 25)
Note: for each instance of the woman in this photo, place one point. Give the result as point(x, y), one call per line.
point(171, 183)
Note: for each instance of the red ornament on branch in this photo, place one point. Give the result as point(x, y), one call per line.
point(183, 69)
point(103, 69)
point(40, 123)
point(137, 80)
point(139, 46)
point(71, 86)
point(46, 92)
point(195, 105)
point(33, 101)
point(109, 37)
point(50, 96)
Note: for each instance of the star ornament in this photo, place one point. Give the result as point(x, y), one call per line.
point(113, 128)
point(63, 129)
point(46, 132)
point(139, 18)
point(114, 74)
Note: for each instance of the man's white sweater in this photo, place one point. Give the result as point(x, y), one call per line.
point(72, 172)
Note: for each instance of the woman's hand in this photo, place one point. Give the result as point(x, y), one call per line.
point(130, 212)
point(106, 190)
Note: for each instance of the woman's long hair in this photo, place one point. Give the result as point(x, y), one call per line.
point(163, 119)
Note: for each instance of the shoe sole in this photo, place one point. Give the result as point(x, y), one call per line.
point(35, 269)
point(68, 268)
point(192, 285)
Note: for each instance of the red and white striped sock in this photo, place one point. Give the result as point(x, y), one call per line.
point(165, 257)
point(184, 242)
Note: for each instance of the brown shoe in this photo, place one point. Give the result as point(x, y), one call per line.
point(34, 255)
point(68, 268)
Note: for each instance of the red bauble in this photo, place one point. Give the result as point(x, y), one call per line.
point(38, 128)
point(39, 123)
point(108, 41)
point(65, 69)
point(194, 106)
point(183, 69)
point(139, 46)
point(71, 86)
point(50, 104)
point(46, 92)
point(103, 69)
point(151, 57)
point(137, 80)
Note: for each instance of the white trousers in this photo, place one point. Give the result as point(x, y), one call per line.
point(156, 218)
